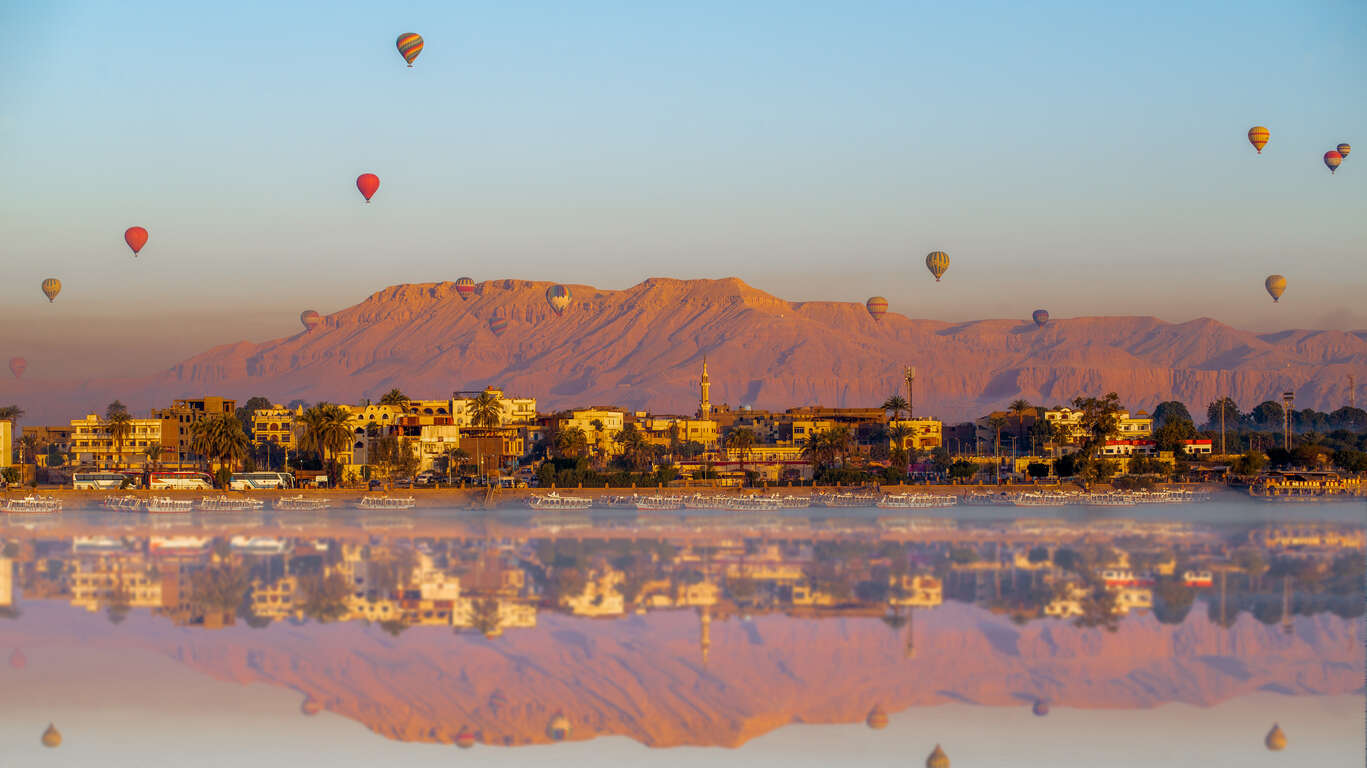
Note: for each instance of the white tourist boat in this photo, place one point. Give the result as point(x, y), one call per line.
point(1041, 499)
point(752, 504)
point(659, 503)
point(617, 502)
point(229, 504)
point(699, 501)
point(166, 505)
point(794, 502)
point(848, 500)
point(301, 503)
point(31, 505)
point(122, 503)
point(554, 500)
point(387, 503)
point(916, 501)
point(1111, 499)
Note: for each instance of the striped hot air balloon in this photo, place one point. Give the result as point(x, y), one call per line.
point(465, 288)
point(877, 307)
point(1332, 160)
point(937, 262)
point(409, 45)
point(1040, 316)
point(558, 296)
point(17, 366)
point(368, 183)
point(498, 324)
point(1258, 136)
point(310, 319)
point(1343, 150)
point(465, 739)
point(1276, 286)
point(51, 287)
point(136, 237)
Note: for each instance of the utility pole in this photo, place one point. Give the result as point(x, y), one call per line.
point(1223, 404)
point(1352, 391)
point(910, 375)
point(1288, 400)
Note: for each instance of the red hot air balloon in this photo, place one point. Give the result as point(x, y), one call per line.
point(409, 45)
point(465, 288)
point(17, 366)
point(367, 183)
point(877, 307)
point(310, 319)
point(136, 237)
point(17, 659)
point(465, 739)
point(1040, 316)
point(1332, 159)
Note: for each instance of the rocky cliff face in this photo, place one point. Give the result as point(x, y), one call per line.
point(643, 347)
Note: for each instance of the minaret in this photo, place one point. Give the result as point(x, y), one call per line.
point(909, 375)
point(705, 631)
point(705, 385)
point(910, 650)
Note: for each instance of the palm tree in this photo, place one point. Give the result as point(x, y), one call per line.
point(898, 435)
point(996, 421)
point(633, 445)
point(326, 428)
point(740, 441)
point(153, 454)
point(119, 426)
point(395, 397)
point(228, 443)
point(11, 413)
point(571, 442)
point(485, 410)
point(455, 457)
point(1018, 409)
point(896, 403)
point(29, 445)
point(840, 438)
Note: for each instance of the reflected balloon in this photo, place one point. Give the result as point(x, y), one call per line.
point(51, 287)
point(310, 319)
point(368, 183)
point(558, 296)
point(1332, 160)
point(1258, 136)
point(1276, 286)
point(937, 262)
point(465, 288)
point(409, 45)
point(1040, 316)
point(877, 307)
point(17, 366)
point(136, 237)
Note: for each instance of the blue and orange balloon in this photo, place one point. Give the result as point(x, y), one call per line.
point(1041, 317)
point(558, 296)
point(310, 319)
point(1343, 150)
point(409, 45)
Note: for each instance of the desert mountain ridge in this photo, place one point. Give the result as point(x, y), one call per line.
point(642, 348)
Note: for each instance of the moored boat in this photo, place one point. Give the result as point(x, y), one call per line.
point(166, 505)
point(31, 505)
point(229, 504)
point(554, 500)
point(915, 501)
point(301, 503)
point(387, 503)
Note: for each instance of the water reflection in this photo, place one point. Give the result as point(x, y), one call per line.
point(678, 631)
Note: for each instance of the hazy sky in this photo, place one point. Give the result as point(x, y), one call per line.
point(1088, 159)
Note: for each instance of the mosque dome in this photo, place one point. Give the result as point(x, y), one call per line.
point(465, 739)
point(1040, 708)
point(1276, 740)
point(52, 737)
point(559, 727)
point(878, 718)
point(17, 659)
point(937, 759)
point(311, 706)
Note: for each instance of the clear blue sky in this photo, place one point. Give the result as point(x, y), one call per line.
point(1082, 157)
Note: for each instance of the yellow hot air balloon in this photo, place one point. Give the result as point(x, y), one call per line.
point(937, 262)
point(937, 759)
point(1344, 149)
point(1276, 740)
point(52, 737)
point(51, 287)
point(1276, 286)
point(1258, 136)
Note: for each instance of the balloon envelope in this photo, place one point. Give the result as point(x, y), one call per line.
point(1040, 708)
point(51, 287)
point(498, 324)
point(409, 45)
point(1275, 739)
point(310, 319)
point(367, 183)
point(465, 739)
point(1275, 285)
point(1258, 136)
point(465, 287)
point(1332, 159)
point(52, 737)
point(17, 366)
point(136, 237)
point(877, 306)
point(937, 262)
point(1040, 316)
point(558, 296)
point(1343, 150)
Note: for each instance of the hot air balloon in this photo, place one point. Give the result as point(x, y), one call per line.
point(465, 287)
point(559, 727)
point(1257, 136)
point(311, 706)
point(17, 660)
point(1275, 740)
point(409, 45)
point(1276, 286)
point(136, 237)
point(367, 183)
point(558, 296)
point(497, 324)
point(52, 737)
point(937, 758)
point(310, 319)
point(1332, 160)
point(17, 366)
point(465, 739)
point(1040, 708)
point(877, 306)
point(1040, 316)
point(937, 262)
point(51, 287)
point(877, 719)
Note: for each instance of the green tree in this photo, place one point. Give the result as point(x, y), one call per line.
point(740, 441)
point(1169, 437)
point(1231, 413)
point(963, 470)
point(634, 447)
point(395, 397)
point(11, 413)
point(485, 410)
point(1018, 409)
point(1267, 415)
point(226, 442)
point(1251, 463)
point(896, 403)
point(153, 454)
point(1171, 410)
point(325, 429)
point(119, 425)
point(1037, 470)
point(247, 411)
point(1350, 460)
point(455, 458)
point(571, 443)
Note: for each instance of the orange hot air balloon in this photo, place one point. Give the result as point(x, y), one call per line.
point(877, 718)
point(1258, 136)
point(311, 706)
point(17, 366)
point(465, 739)
point(52, 738)
point(51, 287)
point(367, 183)
point(465, 288)
point(1332, 160)
point(877, 307)
point(17, 660)
point(1344, 149)
point(310, 319)
point(1276, 286)
point(136, 237)
point(409, 45)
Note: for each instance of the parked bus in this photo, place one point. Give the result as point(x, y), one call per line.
point(193, 481)
point(254, 481)
point(102, 481)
